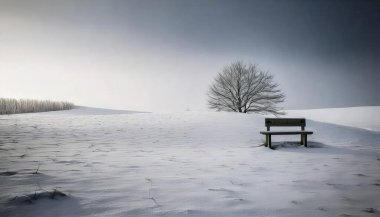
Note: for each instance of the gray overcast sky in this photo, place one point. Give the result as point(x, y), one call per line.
point(162, 55)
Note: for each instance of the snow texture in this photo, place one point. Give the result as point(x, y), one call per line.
point(110, 163)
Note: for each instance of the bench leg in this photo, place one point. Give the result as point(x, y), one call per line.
point(270, 141)
point(266, 141)
point(305, 140)
point(302, 139)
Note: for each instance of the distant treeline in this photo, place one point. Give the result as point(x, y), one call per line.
point(15, 106)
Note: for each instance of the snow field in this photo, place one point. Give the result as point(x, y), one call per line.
point(184, 164)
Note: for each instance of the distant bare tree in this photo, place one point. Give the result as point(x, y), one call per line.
point(244, 88)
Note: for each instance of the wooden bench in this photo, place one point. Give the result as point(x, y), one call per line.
point(285, 122)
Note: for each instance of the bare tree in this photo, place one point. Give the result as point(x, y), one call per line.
point(245, 88)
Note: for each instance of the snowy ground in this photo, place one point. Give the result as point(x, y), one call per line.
point(184, 164)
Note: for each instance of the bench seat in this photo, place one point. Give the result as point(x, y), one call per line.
point(286, 132)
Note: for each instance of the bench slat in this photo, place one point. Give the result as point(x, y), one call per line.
point(290, 122)
point(285, 132)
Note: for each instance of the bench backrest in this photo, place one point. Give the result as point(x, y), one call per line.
point(285, 122)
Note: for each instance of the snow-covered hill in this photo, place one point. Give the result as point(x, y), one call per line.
point(82, 110)
point(362, 117)
point(183, 164)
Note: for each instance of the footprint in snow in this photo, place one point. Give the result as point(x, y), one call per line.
point(8, 173)
point(370, 210)
point(360, 175)
point(236, 201)
point(237, 183)
point(294, 202)
point(348, 199)
point(220, 190)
